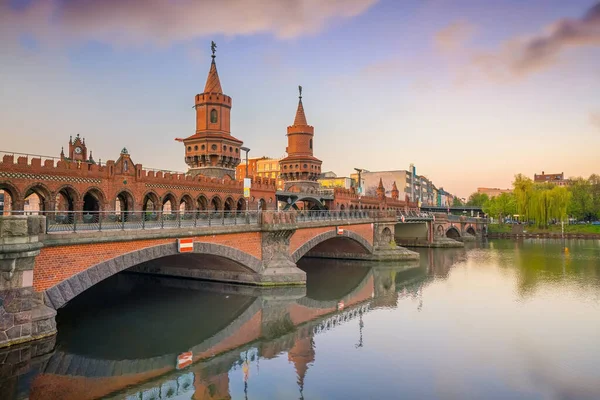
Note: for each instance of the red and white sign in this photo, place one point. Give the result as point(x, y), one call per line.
point(340, 305)
point(185, 245)
point(340, 231)
point(184, 359)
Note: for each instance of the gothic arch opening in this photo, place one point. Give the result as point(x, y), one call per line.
point(65, 199)
point(92, 204)
point(36, 199)
point(150, 202)
point(262, 205)
point(229, 204)
point(10, 197)
point(386, 235)
point(471, 231)
point(169, 203)
point(186, 206)
point(241, 205)
point(202, 203)
point(453, 233)
point(124, 205)
point(215, 203)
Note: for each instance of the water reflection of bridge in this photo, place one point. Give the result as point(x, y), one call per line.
point(267, 323)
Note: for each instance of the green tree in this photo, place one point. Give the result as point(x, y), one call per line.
point(594, 181)
point(456, 202)
point(477, 199)
point(501, 206)
point(523, 192)
point(581, 205)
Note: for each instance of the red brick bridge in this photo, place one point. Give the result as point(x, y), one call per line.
point(45, 270)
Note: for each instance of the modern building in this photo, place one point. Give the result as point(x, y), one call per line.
point(424, 190)
point(330, 180)
point(300, 170)
point(492, 192)
point(240, 170)
point(557, 179)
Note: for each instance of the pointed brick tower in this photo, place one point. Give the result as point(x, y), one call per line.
point(212, 151)
point(302, 354)
point(380, 191)
point(300, 170)
point(395, 192)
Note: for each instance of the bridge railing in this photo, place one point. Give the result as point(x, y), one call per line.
point(90, 221)
point(414, 214)
point(86, 221)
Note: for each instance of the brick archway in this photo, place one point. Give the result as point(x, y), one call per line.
point(306, 247)
point(58, 295)
point(453, 233)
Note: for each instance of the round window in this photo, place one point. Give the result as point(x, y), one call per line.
point(305, 165)
point(189, 148)
point(196, 148)
point(214, 147)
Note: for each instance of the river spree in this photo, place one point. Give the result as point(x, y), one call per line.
point(500, 320)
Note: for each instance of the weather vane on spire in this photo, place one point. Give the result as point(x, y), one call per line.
point(213, 48)
point(300, 90)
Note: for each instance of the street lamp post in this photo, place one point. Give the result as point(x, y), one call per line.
point(247, 150)
point(359, 170)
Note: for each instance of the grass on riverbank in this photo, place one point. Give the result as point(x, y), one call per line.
point(506, 228)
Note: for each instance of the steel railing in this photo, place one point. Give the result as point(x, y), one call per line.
point(90, 221)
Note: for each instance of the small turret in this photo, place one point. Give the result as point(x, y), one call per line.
point(395, 192)
point(380, 191)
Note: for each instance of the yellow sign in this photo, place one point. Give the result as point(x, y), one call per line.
point(247, 192)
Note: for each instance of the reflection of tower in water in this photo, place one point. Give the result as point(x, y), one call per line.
point(301, 354)
point(361, 325)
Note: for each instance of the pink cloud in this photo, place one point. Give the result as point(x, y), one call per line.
point(519, 57)
point(595, 119)
point(454, 35)
point(160, 22)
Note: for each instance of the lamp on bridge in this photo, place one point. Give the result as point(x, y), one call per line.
point(247, 150)
point(359, 170)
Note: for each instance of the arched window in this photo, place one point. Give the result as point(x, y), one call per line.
point(311, 144)
point(213, 116)
point(125, 166)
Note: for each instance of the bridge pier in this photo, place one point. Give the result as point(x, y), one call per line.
point(384, 242)
point(23, 317)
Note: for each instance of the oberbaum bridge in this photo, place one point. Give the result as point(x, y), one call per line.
point(96, 219)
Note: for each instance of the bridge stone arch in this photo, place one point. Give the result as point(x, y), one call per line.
point(471, 230)
point(347, 298)
point(58, 295)
point(96, 368)
point(309, 245)
point(453, 232)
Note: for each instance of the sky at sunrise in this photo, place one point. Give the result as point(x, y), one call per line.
point(470, 91)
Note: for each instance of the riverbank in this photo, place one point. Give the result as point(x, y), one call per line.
point(552, 232)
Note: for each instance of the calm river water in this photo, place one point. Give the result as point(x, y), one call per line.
point(500, 320)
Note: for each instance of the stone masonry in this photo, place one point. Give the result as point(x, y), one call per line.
point(22, 317)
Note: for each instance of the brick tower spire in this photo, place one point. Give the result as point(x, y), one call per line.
point(212, 151)
point(395, 192)
point(380, 190)
point(300, 170)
